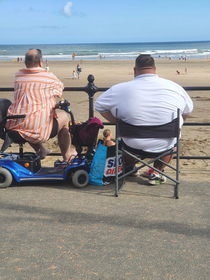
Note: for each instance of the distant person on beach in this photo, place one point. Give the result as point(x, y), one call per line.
point(177, 72)
point(79, 70)
point(107, 138)
point(47, 66)
point(146, 100)
point(34, 96)
point(74, 75)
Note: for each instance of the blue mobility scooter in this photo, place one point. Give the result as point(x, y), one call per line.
point(26, 166)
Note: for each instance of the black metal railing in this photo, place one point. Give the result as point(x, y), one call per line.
point(91, 89)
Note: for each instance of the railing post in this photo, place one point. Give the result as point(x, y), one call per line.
point(91, 89)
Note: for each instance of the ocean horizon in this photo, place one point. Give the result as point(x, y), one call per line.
point(110, 51)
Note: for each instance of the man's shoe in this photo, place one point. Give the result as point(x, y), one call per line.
point(156, 179)
point(147, 172)
point(59, 167)
point(134, 174)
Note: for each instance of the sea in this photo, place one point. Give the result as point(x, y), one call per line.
point(110, 51)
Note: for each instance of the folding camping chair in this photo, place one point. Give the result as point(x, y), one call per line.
point(167, 130)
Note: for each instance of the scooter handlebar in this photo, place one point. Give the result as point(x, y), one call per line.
point(63, 105)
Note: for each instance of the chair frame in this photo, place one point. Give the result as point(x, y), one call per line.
point(148, 163)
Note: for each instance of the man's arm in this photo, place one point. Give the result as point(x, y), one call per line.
point(188, 106)
point(57, 86)
point(108, 116)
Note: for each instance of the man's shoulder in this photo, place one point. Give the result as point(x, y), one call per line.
point(170, 83)
point(123, 84)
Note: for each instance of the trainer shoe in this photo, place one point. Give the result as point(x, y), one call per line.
point(147, 172)
point(156, 179)
point(134, 174)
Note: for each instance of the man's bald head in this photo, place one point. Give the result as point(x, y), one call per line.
point(33, 58)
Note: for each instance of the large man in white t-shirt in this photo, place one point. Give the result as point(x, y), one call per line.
point(146, 100)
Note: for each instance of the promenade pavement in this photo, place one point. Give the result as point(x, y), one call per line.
point(56, 231)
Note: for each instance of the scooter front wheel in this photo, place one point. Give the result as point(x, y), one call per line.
point(5, 178)
point(80, 179)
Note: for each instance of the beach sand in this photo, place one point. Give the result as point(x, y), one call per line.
point(195, 139)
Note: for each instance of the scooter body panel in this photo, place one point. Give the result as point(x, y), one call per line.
point(23, 174)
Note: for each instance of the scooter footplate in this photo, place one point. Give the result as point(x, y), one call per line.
point(45, 171)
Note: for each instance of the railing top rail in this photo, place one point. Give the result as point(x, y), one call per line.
point(104, 89)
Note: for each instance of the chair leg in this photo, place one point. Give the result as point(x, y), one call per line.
point(176, 191)
point(176, 188)
point(116, 171)
point(117, 177)
point(116, 185)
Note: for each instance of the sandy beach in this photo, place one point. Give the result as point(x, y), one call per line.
point(195, 139)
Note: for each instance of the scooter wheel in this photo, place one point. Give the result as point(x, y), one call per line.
point(5, 178)
point(80, 178)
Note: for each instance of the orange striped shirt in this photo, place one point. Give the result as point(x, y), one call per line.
point(34, 96)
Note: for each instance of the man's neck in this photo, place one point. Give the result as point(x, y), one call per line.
point(144, 70)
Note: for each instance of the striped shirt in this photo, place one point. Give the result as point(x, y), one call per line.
point(34, 96)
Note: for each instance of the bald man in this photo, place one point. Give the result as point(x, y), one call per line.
point(35, 90)
point(146, 100)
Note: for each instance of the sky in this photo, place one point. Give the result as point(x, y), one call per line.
point(103, 21)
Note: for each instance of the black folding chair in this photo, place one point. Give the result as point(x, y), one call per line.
point(168, 130)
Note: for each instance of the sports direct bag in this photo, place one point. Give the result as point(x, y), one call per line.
point(103, 166)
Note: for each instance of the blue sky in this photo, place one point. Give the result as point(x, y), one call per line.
point(108, 21)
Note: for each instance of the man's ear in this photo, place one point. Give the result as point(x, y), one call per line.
point(40, 63)
point(134, 70)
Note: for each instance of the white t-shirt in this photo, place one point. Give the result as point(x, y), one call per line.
point(146, 100)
